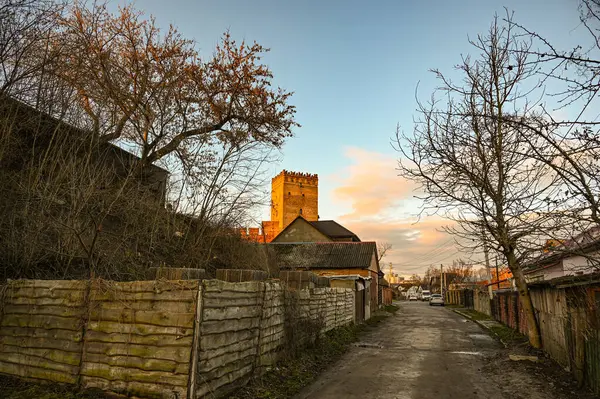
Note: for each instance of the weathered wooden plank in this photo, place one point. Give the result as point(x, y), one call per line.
point(178, 354)
point(155, 306)
point(59, 334)
point(21, 360)
point(148, 339)
point(167, 366)
point(210, 387)
point(155, 286)
point(51, 310)
point(49, 284)
point(221, 303)
point(71, 295)
point(218, 340)
point(45, 322)
point(218, 285)
point(114, 373)
point(56, 355)
point(137, 329)
point(232, 312)
point(37, 373)
point(166, 296)
point(166, 319)
point(155, 390)
point(37, 342)
point(59, 301)
point(214, 362)
point(225, 326)
point(240, 346)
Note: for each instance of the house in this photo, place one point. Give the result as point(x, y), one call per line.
point(346, 264)
point(302, 230)
point(577, 256)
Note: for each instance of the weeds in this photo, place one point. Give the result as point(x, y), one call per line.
point(291, 375)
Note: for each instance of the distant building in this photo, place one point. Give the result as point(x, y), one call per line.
point(577, 256)
point(346, 264)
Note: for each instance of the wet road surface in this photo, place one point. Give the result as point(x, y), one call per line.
point(428, 352)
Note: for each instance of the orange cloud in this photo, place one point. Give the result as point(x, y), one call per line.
point(383, 209)
point(371, 184)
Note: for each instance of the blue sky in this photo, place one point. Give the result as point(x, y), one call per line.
point(354, 67)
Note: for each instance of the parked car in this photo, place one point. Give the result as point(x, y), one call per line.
point(436, 299)
point(413, 297)
point(425, 295)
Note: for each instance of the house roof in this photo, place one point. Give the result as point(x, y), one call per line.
point(323, 255)
point(333, 229)
point(585, 242)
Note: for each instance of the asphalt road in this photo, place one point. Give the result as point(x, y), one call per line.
point(428, 352)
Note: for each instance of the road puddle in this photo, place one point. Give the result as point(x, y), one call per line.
point(468, 353)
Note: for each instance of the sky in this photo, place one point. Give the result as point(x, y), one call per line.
point(354, 68)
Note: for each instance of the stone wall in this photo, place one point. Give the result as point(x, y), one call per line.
point(159, 339)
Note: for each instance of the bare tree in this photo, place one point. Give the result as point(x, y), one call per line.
point(26, 30)
point(473, 164)
point(382, 249)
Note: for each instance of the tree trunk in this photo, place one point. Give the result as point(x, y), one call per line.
point(526, 303)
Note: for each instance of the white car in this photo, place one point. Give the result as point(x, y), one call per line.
point(425, 296)
point(413, 297)
point(436, 299)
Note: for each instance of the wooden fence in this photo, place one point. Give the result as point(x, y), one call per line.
point(568, 312)
point(158, 339)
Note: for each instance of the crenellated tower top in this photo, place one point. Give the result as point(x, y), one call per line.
point(297, 177)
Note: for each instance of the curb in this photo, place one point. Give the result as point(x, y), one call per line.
point(482, 326)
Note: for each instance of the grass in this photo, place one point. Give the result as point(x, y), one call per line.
point(509, 336)
point(292, 374)
point(506, 334)
point(475, 315)
point(14, 388)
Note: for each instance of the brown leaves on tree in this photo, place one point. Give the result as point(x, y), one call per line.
point(152, 88)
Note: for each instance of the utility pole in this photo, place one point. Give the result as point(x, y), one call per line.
point(442, 280)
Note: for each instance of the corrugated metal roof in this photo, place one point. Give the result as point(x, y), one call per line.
point(323, 255)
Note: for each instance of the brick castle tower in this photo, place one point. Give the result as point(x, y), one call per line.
point(293, 194)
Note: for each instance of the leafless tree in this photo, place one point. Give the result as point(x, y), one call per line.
point(472, 163)
point(382, 249)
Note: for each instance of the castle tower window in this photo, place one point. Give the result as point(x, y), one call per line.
point(301, 211)
point(289, 193)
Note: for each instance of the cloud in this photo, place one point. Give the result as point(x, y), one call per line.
point(371, 184)
point(383, 209)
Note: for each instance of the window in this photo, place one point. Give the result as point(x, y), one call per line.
point(289, 193)
point(301, 211)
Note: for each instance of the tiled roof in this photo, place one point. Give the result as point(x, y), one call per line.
point(333, 229)
point(323, 255)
